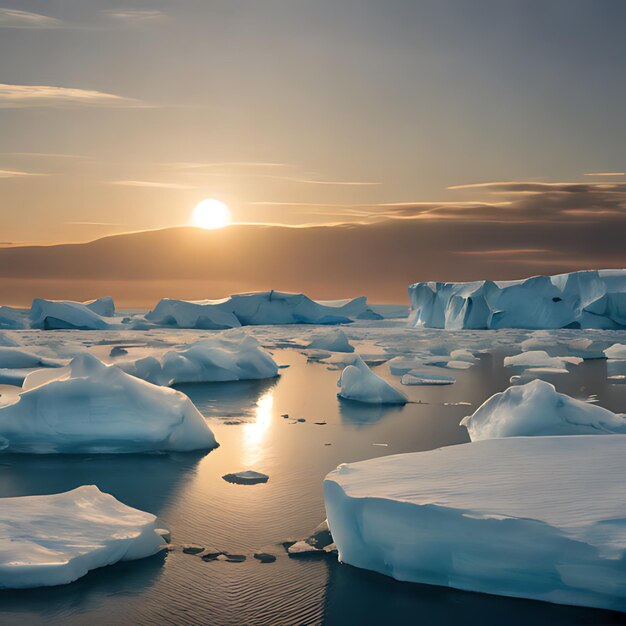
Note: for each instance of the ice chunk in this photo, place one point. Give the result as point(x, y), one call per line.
point(57, 314)
point(334, 340)
point(357, 382)
point(270, 307)
point(415, 377)
point(536, 517)
point(11, 318)
point(247, 477)
point(89, 407)
point(56, 539)
point(17, 358)
point(616, 351)
point(536, 408)
point(232, 355)
point(540, 358)
point(587, 299)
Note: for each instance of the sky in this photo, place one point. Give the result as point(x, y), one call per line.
point(121, 116)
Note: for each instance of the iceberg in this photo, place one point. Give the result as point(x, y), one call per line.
point(357, 382)
point(232, 355)
point(90, 407)
point(18, 358)
point(586, 299)
point(334, 340)
point(417, 378)
point(536, 408)
point(540, 358)
point(262, 308)
point(616, 352)
point(538, 517)
point(56, 539)
point(58, 314)
point(13, 319)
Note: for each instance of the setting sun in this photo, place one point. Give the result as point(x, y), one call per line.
point(211, 214)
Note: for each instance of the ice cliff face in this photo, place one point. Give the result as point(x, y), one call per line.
point(588, 299)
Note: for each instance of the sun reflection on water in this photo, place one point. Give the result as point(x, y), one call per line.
point(254, 432)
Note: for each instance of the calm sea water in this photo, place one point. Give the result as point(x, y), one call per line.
point(188, 494)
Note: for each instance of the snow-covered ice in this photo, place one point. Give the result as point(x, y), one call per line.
point(587, 299)
point(59, 314)
point(18, 358)
point(357, 382)
point(230, 355)
point(617, 351)
point(334, 340)
point(417, 378)
point(540, 358)
point(89, 407)
point(270, 307)
point(56, 539)
point(531, 517)
point(536, 408)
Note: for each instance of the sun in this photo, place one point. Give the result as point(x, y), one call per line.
point(211, 214)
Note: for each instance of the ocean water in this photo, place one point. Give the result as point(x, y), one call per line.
point(190, 497)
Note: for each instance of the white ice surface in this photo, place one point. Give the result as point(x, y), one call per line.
point(56, 539)
point(357, 382)
point(536, 517)
point(89, 407)
point(334, 340)
point(91, 315)
point(540, 358)
point(229, 355)
point(587, 299)
point(536, 408)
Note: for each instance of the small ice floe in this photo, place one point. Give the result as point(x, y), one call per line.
point(247, 477)
point(532, 373)
point(357, 382)
point(56, 539)
point(334, 340)
point(117, 351)
point(319, 543)
point(416, 377)
point(540, 358)
point(616, 351)
point(264, 557)
point(538, 409)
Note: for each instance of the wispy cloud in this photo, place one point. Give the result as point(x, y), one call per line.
point(191, 165)
point(47, 155)
point(506, 252)
point(26, 96)
point(606, 174)
point(93, 224)
point(14, 18)
point(18, 174)
point(150, 183)
point(134, 16)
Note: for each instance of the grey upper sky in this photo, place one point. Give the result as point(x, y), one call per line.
point(118, 116)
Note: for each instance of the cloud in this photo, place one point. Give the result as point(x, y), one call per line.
point(134, 16)
point(524, 202)
point(14, 18)
point(27, 96)
point(606, 174)
point(150, 183)
point(18, 174)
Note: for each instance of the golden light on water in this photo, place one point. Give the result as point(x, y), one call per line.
point(254, 432)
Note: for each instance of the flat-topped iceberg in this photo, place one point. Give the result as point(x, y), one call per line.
point(56, 539)
point(536, 408)
point(540, 358)
point(357, 382)
point(269, 307)
point(89, 407)
point(587, 299)
point(232, 355)
point(65, 314)
point(537, 517)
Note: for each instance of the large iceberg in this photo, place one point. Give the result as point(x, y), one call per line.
point(587, 299)
point(232, 355)
point(531, 517)
point(269, 307)
point(65, 314)
point(56, 539)
point(357, 382)
point(536, 408)
point(89, 407)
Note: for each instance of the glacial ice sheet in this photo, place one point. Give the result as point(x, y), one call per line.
point(262, 308)
point(89, 407)
point(56, 539)
point(532, 517)
point(536, 408)
point(587, 299)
